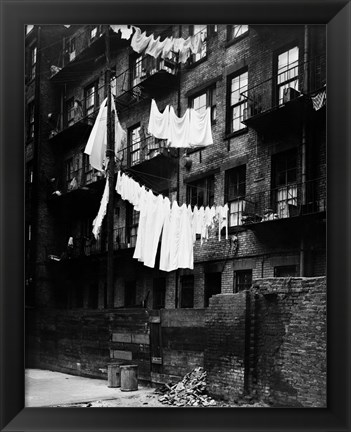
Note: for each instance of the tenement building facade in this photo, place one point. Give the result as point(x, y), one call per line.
point(265, 89)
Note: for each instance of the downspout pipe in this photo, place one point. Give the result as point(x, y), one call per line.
point(304, 141)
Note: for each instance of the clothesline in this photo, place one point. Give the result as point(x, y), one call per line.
point(157, 48)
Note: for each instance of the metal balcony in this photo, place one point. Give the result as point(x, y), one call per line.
point(151, 161)
point(283, 203)
point(277, 103)
point(81, 51)
point(88, 246)
point(148, 78)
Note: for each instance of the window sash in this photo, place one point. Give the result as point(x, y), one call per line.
point(195, 29)
point(288, 72)
point(238, 104)
point(90, 99)
point(204, 100)
point(236, 30)
point(243, 280)
point(201, 193)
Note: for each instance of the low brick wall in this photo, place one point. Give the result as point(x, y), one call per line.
point(225, 349)
point(290, 341)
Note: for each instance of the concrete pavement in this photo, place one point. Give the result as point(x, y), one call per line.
point(45, 388)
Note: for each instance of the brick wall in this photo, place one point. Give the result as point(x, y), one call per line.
point(291, 340)
point(224, 358)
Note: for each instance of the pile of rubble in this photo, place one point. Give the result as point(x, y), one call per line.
point(190, 391)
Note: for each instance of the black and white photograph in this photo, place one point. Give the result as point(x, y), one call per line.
point(175, 215)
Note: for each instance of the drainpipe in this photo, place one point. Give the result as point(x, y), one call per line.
point(178, 176)
point(303, 144)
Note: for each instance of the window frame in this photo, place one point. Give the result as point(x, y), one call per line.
point(242, 103)
point(211, 100)
point(231, 37)
point(89, 110)
point(238, 287)
point(69, 108)
point(238, 196)
point(33, 61)
point(288, 185)
point(277, 86)
point(132, 151)
point(197, 58)
point(209, 187)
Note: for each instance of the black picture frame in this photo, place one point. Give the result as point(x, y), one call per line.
point(336, 14)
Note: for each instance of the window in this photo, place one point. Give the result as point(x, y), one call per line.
point(71, 48)
point(31, 120)
point(288, 75)
point(285, 271)
point(88, 169)
point(95, 31)
point(204, 100)
point(284, 171)
point(33, 62)
point(130, 293)
point(243, 280)
point(159, 293)
point(236, 30)
point(69, 170)
point(70, 112)
point(132, 225)
point(91, 99)
point(237, 101)
point(134, 144)
point(199, 29)
point(212, 286)
point(201, 192)
point(235, 194)
point(136, 70)
point(187, 291)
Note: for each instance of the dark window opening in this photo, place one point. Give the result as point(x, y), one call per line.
point(93, 296)
point(285, 271)
point(213, 283)
point(187, 291)
point(243, 280)
point(130, 294)
point(159, 293)
point(201, 192)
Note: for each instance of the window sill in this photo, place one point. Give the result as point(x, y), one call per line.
point(234, 41)
point(236, 133)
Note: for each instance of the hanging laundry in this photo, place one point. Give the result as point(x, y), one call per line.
point(167, 48)
point(155, 47)
point(200, 128)
point(185, 52)
point(158, 122)
point(186, 248)
point(222, 215)
point(145, 202)
point(166, 239)
point(126, 30)
point(179, 129)
point(139, 40)
point(96, 144)
point(196, 43)
point(171, 241)
point(178, 44)
point(97, 223)
point(154, 222)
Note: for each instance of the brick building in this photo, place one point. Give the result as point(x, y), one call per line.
point(268, 162)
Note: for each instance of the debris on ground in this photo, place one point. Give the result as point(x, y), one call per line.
point(190, 391)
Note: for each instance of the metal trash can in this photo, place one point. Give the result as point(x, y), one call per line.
point(113, 375)
point(129, 377)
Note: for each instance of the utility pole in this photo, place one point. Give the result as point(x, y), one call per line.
point(110, 154)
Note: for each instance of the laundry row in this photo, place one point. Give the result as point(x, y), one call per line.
point(97, 142)
point(193, 129)
point(165, 48)
point(176, 226)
